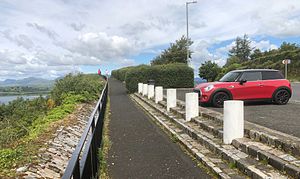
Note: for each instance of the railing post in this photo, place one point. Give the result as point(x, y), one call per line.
point(145, 89)
point(233, 124)
point(158, 94)
point(150, 91)
point(191, 106)
point(171, 99)
point(76, 172)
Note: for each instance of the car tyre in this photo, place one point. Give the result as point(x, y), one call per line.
point(219, 98)
point(281, 97)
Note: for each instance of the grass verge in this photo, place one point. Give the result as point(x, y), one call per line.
point(25, 150)
point(106, 144)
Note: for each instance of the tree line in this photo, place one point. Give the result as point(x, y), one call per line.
point(241, 56)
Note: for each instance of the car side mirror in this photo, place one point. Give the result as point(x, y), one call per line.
point(243, 81)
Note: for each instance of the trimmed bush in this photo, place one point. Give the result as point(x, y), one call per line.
point(120, 74)
point(169, 76)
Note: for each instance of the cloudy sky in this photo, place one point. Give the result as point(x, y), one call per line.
point(49, 38)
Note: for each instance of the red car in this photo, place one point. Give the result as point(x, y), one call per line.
point(250, 84)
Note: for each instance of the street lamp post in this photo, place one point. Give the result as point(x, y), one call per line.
point(187, 27)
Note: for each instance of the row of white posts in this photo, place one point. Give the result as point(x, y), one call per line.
point(233, 123)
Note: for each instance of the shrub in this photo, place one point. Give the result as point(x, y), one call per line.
point(169, 76)
point(120, 74)
point(78, 84)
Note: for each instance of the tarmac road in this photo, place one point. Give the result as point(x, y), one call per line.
point(284, 118)
point(140, 149)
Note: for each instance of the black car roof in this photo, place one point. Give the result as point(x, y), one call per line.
point(253, 70)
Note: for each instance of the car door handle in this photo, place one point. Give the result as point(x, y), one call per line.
point(260, 85)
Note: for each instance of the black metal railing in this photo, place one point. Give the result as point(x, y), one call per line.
point(84, 162)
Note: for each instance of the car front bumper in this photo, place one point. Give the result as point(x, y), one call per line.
point(203, 96)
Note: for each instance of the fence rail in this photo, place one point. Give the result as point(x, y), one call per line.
point(84, 162)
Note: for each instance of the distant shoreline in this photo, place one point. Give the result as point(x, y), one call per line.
point(24, 93)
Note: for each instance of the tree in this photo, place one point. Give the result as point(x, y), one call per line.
point(176, 53)
point(256, 54)
point(209, 70)
point(242, 48)
point(285, 46)
point(231, 60)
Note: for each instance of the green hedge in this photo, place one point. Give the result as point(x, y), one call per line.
point(168, 76)
point(120, 74)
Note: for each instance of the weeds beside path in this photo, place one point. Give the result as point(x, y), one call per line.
point(106, 144)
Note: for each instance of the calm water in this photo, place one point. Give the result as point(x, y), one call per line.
point(6, 99)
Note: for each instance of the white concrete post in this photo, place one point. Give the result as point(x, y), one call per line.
point(171, 99)
point(140, 88)
point(145, 89)
point(233, 124)
point(150, 91)
point(191, 106)
point(158, 94)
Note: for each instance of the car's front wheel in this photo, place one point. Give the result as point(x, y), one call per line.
point(281, 97)
point(219, 98)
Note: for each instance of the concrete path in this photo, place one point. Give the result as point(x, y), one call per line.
point(140, 149)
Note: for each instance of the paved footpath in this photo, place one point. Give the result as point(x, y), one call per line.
point(140, 149)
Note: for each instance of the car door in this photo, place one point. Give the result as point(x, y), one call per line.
point(270, 79)
point(251, 89)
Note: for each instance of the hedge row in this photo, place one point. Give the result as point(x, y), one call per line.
point(120, 73)
point(168, 76)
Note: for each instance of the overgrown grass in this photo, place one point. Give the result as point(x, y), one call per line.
point(294, 78)
point(232, 165)
point(29, 124)
point(106, 144)
point(23, 150)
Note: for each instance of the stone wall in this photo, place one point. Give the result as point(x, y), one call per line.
point(53, 159)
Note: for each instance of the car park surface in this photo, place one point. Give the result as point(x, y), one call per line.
point(296, 92)
point(284, 118)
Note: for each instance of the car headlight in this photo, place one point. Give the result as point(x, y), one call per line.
point(208, 88)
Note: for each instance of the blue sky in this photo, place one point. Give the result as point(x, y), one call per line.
point(51, 38)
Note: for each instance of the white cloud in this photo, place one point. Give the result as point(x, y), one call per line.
point(9, 57)
point(21, 40)
point(95, 48)
point(55, 36)
point(201, 54)
point(263, 45)
point(77, 27)
point(50, 33)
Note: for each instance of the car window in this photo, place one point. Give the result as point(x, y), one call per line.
point(230, 77)
point(271, 75)
point(251, 76)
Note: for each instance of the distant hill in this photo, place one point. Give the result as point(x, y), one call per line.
point(198, 80)
point(31, 81)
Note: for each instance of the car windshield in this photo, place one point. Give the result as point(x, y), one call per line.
point(230, 77)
